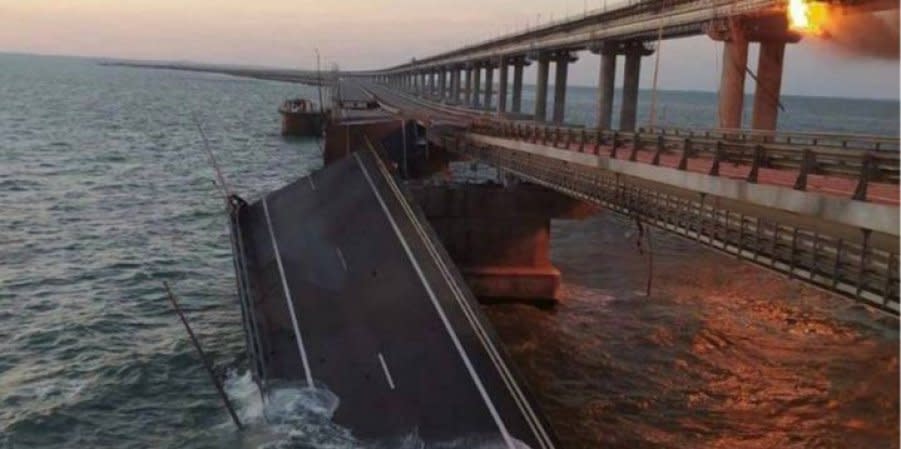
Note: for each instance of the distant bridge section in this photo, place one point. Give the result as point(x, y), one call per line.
point(821, 208)
point(466, 76)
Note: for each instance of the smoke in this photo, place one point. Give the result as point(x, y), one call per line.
point(866, 34)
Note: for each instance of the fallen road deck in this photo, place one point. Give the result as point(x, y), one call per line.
point(343, 283)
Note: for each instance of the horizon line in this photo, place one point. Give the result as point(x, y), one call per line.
point(278, 67)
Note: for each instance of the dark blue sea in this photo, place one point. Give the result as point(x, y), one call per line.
point(105, 192)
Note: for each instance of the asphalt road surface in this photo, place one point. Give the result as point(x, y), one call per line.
point(352, 292)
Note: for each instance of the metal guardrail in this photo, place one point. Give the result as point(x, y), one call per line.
point(256, 351)
point(866, 142)
point(862, 158)
point(865, 160)
point(854, 268)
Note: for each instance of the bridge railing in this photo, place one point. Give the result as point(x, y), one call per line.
point(856, 159)
point(859, 268)
point(860, 159)
point(864, 142)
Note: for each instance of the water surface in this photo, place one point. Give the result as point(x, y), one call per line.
point(105, 192)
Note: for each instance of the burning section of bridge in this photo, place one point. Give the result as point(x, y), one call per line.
point(807, 16)
point(855, 30)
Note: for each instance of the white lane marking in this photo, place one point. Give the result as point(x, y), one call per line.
point(450, 330)
point(288, 298)
point(312, 185)
point(341, 258)
point(512, 386)
point(387, 373)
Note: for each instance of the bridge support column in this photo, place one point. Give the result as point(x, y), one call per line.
point(435, 85)
point(449, 86)
point(732, 81)
point(489, 85)
point(455, 85)
point(502, 86)
point(606, 84)
point(773, 32)
point(476, 85)
point(467, 90)
point(541, 87)
point(629, 112)
point(518, 64)
point(442, 84)
point(499, 236)
point(562, 61)
point(769, 85)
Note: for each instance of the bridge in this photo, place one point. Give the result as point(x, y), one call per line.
point(630, 31)
point(820, 207)
point(364, 278)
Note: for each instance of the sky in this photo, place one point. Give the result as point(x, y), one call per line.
point(368, 34)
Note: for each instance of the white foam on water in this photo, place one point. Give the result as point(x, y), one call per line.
point(291, 416)
point(296, 416)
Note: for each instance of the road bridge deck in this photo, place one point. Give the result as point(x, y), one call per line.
point(834, 171)
point(786, 217)
point(344, 285)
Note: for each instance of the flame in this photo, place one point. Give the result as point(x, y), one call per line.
point(807, 16)
point(797, 14)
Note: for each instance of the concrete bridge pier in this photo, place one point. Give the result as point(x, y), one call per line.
point(769, 85)
point(629, 109)
point(772, 33)
point(541, 87)
point(606, 84)
point(455, 85)
point(561, 62)
point(476, 84)
point(732, 81)
point(442, 83)
point(489, 84)
point(502, 67)
point(449, 92)
point(436, 85)
point(516, 101)
point(467, 89)
point(499, 236)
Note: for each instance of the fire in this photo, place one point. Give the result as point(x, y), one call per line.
point(807, 16)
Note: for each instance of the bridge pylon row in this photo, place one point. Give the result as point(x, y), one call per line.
point(471, 83)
